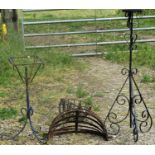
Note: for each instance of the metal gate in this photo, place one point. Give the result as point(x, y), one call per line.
point(96, 31)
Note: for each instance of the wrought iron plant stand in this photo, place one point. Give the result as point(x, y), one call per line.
point(27, 68)
point(139, 116)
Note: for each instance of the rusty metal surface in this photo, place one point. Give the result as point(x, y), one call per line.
point(73, 118)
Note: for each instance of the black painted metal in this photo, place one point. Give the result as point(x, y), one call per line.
point(30, 70)
point(138, 122)
point(74, 118)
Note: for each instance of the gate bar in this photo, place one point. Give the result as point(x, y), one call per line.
point(85, 32)
point(87, 54)
point(89, 44)
point(85, 20)
point(32, 10)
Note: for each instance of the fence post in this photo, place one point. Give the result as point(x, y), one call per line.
point(9, 16)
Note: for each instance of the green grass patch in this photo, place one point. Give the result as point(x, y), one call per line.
point(3, 94)
point(144, 56)
point(148, 79)
point(60, 59)
point(7, 113)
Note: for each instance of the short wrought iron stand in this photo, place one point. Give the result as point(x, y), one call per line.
point(27, 68)
point(139, 116)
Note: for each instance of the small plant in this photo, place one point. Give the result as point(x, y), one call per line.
point(96, 108)
point(88, 101)
point(80, 92)
point(7, 113)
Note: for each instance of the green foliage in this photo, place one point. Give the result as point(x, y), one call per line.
point(7, 113)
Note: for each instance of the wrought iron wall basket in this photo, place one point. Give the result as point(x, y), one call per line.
point(74, 118)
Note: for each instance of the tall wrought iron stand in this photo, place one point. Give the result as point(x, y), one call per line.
point(140, 119)
point(30, 66)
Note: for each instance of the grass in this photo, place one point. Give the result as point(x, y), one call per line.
point(70, 14)
point(7, 113)
point(3, 94)
point(12, 46)
point(144, 56)
point(59, 59)
point(148, 79)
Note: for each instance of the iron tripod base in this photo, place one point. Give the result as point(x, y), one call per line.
point(27, 119)
point(140, 119)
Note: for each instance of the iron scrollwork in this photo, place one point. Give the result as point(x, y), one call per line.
point(140, 120)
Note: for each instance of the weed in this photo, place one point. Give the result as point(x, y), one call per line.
point(80, 92)
point(88, 101)
point(96, 108)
